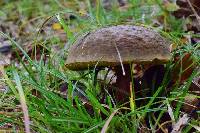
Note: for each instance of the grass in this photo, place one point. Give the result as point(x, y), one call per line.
point(36, 83)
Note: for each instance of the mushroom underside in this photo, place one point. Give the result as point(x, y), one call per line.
point(92, 64)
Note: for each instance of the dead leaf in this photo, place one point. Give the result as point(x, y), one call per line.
point(5, 60)
point(185, 9)
point(196, 39)
point(177, 127)
point(195, 86)
point(185, 63)
point(191, 102)
point(105, 127)
point(56, 26)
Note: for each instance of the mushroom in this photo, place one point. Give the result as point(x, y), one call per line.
point(118, 47)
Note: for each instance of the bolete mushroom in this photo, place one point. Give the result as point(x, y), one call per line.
point(118, 47)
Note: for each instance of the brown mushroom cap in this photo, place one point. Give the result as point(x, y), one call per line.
point(136, 44)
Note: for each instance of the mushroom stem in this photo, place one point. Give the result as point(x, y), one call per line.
point(122, 82)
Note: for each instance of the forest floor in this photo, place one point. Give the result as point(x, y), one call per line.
point(39, 94)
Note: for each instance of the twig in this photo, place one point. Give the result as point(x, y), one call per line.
point(120, 59)
point(195, 13)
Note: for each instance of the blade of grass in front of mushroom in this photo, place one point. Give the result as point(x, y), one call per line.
point(120, 58)
point(96, 71)
point(84, 113)
point(184, 92)
point(133, 91)
point(132, 97)
point(179, 104)
point(160, 88)
point(96, 104)
point(23, 102)
point(166, 82)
